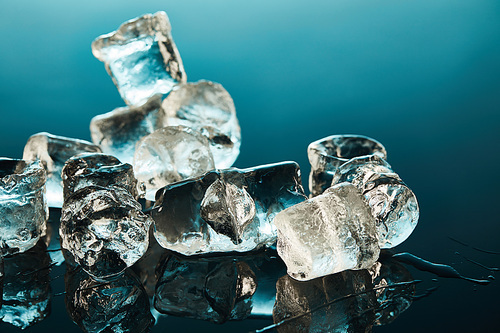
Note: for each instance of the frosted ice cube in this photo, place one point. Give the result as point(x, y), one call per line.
point(53, 151)
point(393, 204)
point(141, 57)
point(327, 154)
point(327, 234)
point(168, 155)
point(104, 229)
point(97, 169)
point(208, 108)
point(181, 208)
point(23, 206)
point(215, 289)
point(117, 132)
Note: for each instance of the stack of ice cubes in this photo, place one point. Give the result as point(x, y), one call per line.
point(365, 207)
point(171, 130)
point(174, 143)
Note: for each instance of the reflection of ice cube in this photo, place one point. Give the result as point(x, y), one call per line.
point(104, 229)
point(327, 234)
point(118, 131)
point(118, 305)
point(215, 289)
point(53, 151)
point(181, 208)
point(141, 57)
point(168, 155)
point(310, 306)
point(208, 108)
point(23, 207)
point(392, 300)
point(26, 289)
point(327, 154)
point(392, 203)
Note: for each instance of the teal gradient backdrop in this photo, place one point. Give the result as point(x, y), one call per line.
point(422, 77)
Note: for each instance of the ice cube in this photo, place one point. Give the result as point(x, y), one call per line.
point(23, 206)
point(118, 305)
point(327, 234)
point(340, 302)
point(117, 132)
point(180, 209)
point(26, 288)
point(104, 229)
point(228, 209)
point(53, 151)
point(208, 108)
point(393, 204)
point(168, 155)
point(327, 154)
point(214, 289)
point(141, 57)
point(97, 169)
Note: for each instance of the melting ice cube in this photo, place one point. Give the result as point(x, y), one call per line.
point(168, 155)
point(208, 108)
point(213, 213)
point(53, 151)
point(141, 57)
point(327, 154)
point(117, 132)
point(327, 234)
point(23, 206)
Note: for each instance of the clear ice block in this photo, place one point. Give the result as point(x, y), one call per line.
point(119, 305)
point(104, 229)
point(117, 132)
point(327, 154)
point(337, 303)
point(23, 206)
point(209, 109)
point(169, 155)
point(330, 233)
point(26, 289)
point(97, 169)
point(393, 204)
point(53, 151)
point(186, 212)
point(216, 289)
point(141, 57)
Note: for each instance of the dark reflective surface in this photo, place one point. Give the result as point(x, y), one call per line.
point(238, 292)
